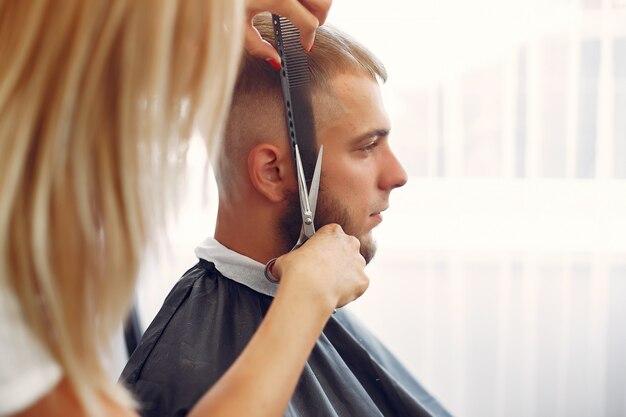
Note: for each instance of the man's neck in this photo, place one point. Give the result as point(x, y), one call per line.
point(251, 233)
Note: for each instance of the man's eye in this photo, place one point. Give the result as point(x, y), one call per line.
point(370, 146)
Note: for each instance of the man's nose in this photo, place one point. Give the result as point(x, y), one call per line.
point(393, 174)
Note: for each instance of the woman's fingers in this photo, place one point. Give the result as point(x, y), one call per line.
point(306, 15)
point(329, 266)
point(257, 46)
point(319, 8)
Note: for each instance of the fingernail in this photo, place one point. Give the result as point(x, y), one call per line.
point(275, 64)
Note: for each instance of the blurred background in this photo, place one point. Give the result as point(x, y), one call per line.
point(500, 279)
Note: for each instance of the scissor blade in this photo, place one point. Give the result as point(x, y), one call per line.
point(315, 183)
point(304, 195)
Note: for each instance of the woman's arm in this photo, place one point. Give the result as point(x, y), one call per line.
point(325, 273)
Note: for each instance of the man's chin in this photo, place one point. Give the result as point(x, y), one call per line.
point(368, 246)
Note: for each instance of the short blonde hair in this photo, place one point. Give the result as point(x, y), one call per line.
point(97, 101)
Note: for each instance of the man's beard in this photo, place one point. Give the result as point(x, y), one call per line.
point(329, 210)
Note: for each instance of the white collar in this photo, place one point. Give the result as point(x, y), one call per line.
point(236, 266)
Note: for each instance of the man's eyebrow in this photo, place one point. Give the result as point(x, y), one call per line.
point(370, 134)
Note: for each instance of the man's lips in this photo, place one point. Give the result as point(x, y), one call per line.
point(378, 215)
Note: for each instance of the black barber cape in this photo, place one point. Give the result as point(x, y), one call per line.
point(207, 320)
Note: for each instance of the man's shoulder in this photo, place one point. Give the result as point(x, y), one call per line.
point(202, 311)
point(191, 281)
point(200, 282)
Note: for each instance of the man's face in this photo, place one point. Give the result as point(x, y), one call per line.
point(359, 170)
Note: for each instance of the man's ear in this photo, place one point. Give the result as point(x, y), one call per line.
point(271, 171)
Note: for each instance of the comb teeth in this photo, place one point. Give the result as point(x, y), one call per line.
point(296, 67)
point(295, 84)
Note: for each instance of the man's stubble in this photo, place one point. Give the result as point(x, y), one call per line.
point(329, 210)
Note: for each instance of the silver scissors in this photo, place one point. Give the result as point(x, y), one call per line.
point(308, 204)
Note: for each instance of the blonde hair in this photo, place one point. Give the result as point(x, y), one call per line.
point(256, 112)
point(97, 101)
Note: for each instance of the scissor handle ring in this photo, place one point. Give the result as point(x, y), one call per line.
point(268, 271)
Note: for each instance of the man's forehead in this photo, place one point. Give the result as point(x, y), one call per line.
point(345, 85)
point(351, 102)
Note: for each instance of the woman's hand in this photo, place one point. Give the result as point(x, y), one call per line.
point(306, 15)
point(328, 268)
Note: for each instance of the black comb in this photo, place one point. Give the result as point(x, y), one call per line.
point(295, 78)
